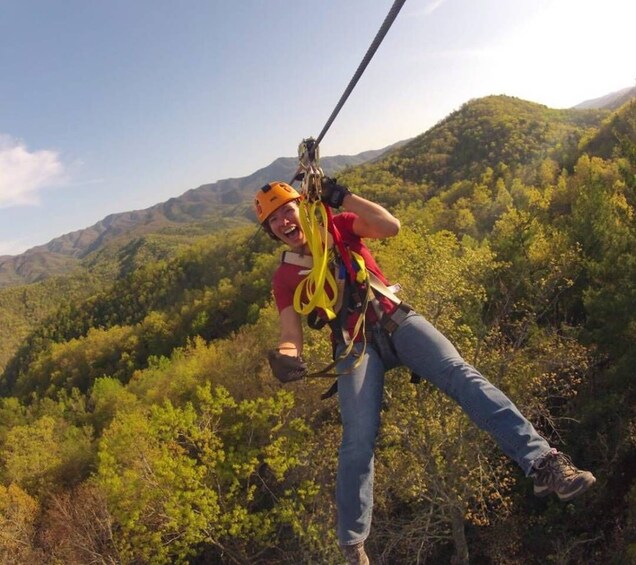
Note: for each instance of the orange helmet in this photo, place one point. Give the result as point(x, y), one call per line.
point(271, 197)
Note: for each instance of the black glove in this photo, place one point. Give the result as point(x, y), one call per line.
point(285, 367)
point(333, 194)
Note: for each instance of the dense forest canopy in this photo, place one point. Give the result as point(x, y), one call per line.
point(139, 422)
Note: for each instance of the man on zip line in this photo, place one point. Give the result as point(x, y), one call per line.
point(395, 335)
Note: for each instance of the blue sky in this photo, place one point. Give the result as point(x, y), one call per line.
point(114, 105)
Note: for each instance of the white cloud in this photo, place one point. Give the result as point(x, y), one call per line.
point(24, 174)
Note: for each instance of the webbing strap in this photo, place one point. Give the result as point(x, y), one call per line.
point(307, 261)
point(359, 328)
point(337, 239)
point(312, 290)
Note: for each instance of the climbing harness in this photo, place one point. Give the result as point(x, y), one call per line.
point(346, 296)
point(388, 321)
point(370, 291)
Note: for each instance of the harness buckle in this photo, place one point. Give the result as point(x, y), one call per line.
point(391, 322)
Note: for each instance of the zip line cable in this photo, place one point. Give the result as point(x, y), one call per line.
point(311, 145)
point(308, 149)
point(388, 21)
point(384, 28)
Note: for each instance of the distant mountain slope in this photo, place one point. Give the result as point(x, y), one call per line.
point(611, 101)
point(487, 132)
point(207, 202)
point(616, 130)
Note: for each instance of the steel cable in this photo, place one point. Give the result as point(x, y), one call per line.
point(388, 21)
point(384, 28)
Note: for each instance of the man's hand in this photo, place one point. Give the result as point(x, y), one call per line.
point(285, 367)
point(333, 194)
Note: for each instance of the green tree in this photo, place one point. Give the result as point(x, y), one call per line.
point(46, 454)
point(108, 397)
point(212, 473)
point(18, 515)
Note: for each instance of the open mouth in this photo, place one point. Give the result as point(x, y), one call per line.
point(291, 232)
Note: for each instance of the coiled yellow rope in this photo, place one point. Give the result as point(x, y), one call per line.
point(319, 288)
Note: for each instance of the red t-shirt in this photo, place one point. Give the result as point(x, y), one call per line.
point(287, 277)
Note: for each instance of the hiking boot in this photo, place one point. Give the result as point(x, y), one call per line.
point(556, 473)
point(355, 554)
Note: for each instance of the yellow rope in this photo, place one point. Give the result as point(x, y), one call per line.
point(313, 290)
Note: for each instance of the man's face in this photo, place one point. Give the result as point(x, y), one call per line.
point(285, 225)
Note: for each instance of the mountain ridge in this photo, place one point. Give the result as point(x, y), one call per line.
point(64, 253)
point(205, 204)
point(611, 101)
point(463, 144)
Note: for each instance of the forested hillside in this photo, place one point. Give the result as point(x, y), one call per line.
point(139, 422)
point(78, 264)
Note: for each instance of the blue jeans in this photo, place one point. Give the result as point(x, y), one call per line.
point(425, 351)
